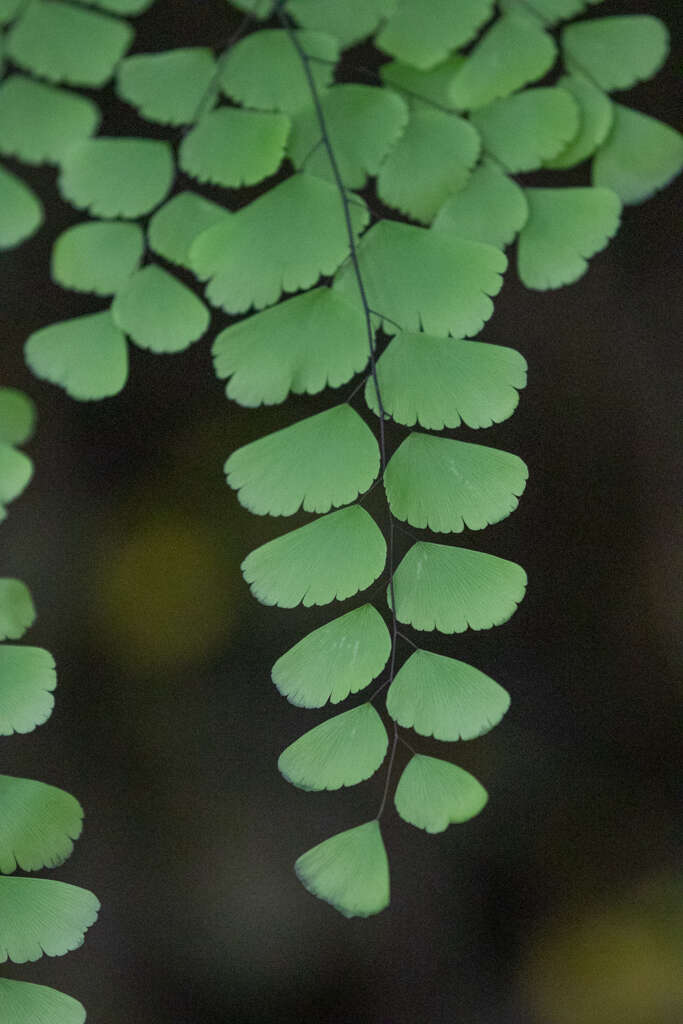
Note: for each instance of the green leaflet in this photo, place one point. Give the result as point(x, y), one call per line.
point(17, 416)
point(264, 70)
point(39, 916)
point(444, 485)
point(342, 751)
point(39, 825)
point(97, 256)
point(319, 463)
point(27, 678)
point(22, 1002)
point(639, 156)
point(422, 34)
point(595, 120)
point(348, 22)
point(616, 52)
point(420, 279)
point(258, 8)
point(16, 470)
point(158, 311)
point(490, 208)
point(524, 130)
point(445, 698)
point(304, 344)
point(21, 212)
point(233, 148)
point(513, 52)
point(17, 612)
point(433, 85)
point(433, 794)
point(131, 7)
point(350, 871)
point(363, 124)
point(440, 382)
point(566, 226)
point(58, 119)
point(9, 9)
point(453, 589)
point(331, 558)
point(432, 159)
point(117, 177)
point(175, 225)
point(167, 87)
point(267, 247)
point(64, 43)
point(337, 659)
point(549, 10)
point(87, 356)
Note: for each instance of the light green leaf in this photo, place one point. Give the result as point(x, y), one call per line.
point(433, 86)
point(24, 1003)
point(421, 280)
point(64, 43)
point(433, 794)
point(362, 122)
point(432, 159)
point(566, 226)
point(348, 22)
point(125, 7)
point(342, 751)
point(639, 157)
point(167, 87)
point(423, 34)
point(445, 698)
point(258, 8)
point(337, 659)
point(39, 916)
point(319, 463)
point(618, 51)
point(39, 123)
point(329, 559)
point(490, 208)
point(595, 120)
point(349, 870)
point(97, 256)
point(87, 356)
point(304, 344)
point(268, 247)
point(524, 130)
point(117, 177)
point(550, 11)
point(39, 825)
point(265, 71)
point(233, 147)
point(445, 486)
point(17, 613)
point(16, 470)
point(513, 52)
point(27, 678)
point(439, 382)
point(158, 312)
point(21, 211)
point(17, 416)
point(454, 589)
point(9, 9)
point(175, 225)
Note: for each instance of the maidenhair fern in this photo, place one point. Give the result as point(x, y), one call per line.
point(313, 288)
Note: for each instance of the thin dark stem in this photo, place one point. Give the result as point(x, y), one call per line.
point(392, 755)
point(408, 640)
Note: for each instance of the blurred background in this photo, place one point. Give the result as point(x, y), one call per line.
point(561, 903)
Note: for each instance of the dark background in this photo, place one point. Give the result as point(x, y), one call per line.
point(560, 903)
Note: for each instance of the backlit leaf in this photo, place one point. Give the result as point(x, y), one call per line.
point(57, 120)
point(432, 86)
point(24, 1003)
point(595, 120)
point(348, 22)
point(319, 463)
point(117, 177)
point(167, 87)
point(87, 356)
point(350, 871)
point(21, 211)
point(268, 247)
point(423, 34)
point(453, 589)
point(445, 698)
point(342, 751)
point(97, 256)
point(433, 794)
point(39, 916)
point(17, 416)
point(16, 469)
point(445, 486)
point(618, 51)
point(175, 225)
point(422, 280)
point(525, 130)
point(639, 156)
point(441, 382)
point(17, 613)
point(566, 226)
point(490, 208)
point(158, 311)
point(331, 558)
point(304, 344)
point(39, 825)
point(337, 659)
point(27, 678)
point(549, 10)
point(233, 147)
